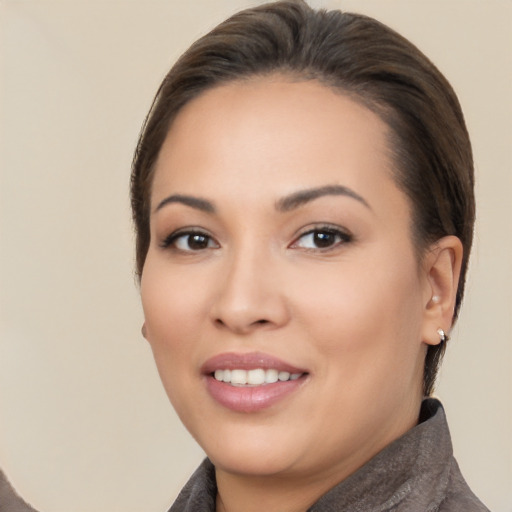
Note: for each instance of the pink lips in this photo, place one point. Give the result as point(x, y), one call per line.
point(249, 398)
point(250, 361)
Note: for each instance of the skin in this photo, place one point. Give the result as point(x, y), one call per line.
point(357, 315)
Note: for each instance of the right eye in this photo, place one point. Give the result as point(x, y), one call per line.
point(189, 241)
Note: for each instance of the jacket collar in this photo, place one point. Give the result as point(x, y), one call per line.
point(413, 469)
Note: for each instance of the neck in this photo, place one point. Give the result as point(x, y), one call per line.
point(298, 492)
point(272, 494)
point(295, 492)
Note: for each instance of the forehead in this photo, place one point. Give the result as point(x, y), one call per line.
point(273, 132)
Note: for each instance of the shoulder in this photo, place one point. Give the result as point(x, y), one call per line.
point(9, 500)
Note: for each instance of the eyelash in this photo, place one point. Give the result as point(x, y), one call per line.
point(341, 237)
point(170, 241)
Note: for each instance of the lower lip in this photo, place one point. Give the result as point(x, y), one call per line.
point(251, 398)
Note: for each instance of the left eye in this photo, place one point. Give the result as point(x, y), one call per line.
point(191, 241)
point(324, 238)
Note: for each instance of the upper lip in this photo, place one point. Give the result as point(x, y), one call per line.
point(247, 361)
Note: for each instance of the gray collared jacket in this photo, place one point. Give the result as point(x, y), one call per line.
point(415, 473)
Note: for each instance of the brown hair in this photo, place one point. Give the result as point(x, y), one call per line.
point(361, 57)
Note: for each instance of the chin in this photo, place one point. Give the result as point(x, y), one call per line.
point(252, 463)
point(251, 451)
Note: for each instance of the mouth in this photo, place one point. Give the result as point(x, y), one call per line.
point(251, 382)
point(256, 377)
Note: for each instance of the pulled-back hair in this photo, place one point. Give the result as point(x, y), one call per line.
point(358, 56)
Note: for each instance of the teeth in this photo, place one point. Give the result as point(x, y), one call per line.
point(238, 377)
point(271, 376)
point(255, 377)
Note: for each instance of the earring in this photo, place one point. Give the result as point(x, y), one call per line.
point(436, 299)
point(442, 335)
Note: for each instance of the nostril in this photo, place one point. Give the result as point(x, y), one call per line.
point(223, 324)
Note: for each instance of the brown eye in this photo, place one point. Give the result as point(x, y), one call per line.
point(196, 242)
point(322, 238)
point(189, 241)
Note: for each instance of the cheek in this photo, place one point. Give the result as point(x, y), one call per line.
point(361, 306)
point(170, 297)
point(173, 313)
point(365, 329)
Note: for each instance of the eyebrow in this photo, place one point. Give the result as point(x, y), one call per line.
point(194, 202)
point(285, 204)
point(293, 201)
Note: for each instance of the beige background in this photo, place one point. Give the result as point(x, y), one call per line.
point(84, 423)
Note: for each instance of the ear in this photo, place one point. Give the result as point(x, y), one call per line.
point(441, 266)
point(143, 330)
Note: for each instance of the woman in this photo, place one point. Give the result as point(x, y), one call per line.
point(303, 199)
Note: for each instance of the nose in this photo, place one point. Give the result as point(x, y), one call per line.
point(250, 295)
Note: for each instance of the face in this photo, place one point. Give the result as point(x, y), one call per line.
point(282, 296)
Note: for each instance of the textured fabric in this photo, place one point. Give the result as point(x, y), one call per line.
point(9, 500)
point(416, 473)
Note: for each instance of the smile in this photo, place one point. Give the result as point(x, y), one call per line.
point(257, 377)
point(251, 382)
